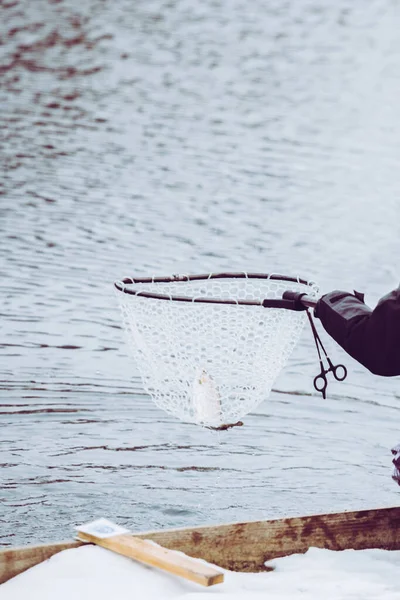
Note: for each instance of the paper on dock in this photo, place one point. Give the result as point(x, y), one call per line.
point(102, 528)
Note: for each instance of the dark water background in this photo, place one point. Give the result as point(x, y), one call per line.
point(158, 137)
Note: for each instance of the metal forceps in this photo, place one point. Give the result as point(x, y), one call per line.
point(339, 371)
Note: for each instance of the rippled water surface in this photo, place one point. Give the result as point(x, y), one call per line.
point(158, 137)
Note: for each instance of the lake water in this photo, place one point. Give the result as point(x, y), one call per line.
point(160, 137)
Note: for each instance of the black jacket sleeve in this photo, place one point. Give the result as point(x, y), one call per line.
point(372, 337)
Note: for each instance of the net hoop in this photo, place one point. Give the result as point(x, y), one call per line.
point(287, 303)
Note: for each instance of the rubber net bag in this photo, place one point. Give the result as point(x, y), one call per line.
point(206, 347)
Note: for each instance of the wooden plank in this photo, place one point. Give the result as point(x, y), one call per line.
point(246, 546)
point(149, 553)
point(14, 561)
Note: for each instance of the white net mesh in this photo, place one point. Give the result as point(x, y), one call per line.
point(211, 363)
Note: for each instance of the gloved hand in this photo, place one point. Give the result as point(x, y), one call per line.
point(396, 462)
point(370, 336)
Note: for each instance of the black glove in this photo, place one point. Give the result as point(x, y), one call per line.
point(370, 336)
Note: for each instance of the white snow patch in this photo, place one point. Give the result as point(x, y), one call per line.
point(92, 572)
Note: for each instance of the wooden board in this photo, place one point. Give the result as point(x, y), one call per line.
point(149, 553)
point(246, 546)
point(14, 561)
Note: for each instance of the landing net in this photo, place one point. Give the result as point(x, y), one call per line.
point(209, 347)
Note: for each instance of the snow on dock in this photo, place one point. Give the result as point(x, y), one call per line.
point(92, 572)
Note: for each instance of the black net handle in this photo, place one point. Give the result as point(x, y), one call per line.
point(290, 300)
